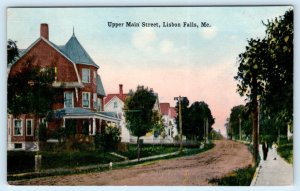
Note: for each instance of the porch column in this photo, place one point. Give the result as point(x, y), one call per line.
point(100, 121)
point(94, 126)
point(90, 127)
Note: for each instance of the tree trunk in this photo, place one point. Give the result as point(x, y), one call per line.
point(138, 148)
point(255, 134)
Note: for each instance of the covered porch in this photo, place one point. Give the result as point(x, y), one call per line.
point(87, 121)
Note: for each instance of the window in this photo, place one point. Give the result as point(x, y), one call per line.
point(86, 75)
point(99, 103)
point(95, 100)
point(86, 99)
point(68, 100)
point(95, 75)
point(18, 145)
point(115, 104)
point(29, 130)
point(18, 130)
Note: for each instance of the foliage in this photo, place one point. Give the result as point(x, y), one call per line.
point(184, 115)
point(139, 111)
point(70, 128)
point(285, 150)
point(240, 177)
point(266, 72)
point(239, 114)
point(216, 135)
point(279, 71)
point(31, 91)
point(148, 150)
point(199, 112)
point(108, 140)
point(12, 52)
point(21, 161)
point(194, 118)
point(42, 132)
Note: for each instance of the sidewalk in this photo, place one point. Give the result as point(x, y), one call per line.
point(273, 172)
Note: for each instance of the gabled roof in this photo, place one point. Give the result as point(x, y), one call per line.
point(111, 96)
point(24, 51)
point(164, 108)
point(74, 50)
point(100, 88)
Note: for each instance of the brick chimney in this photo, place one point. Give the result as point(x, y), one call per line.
point(44, 31)
point(121, 89)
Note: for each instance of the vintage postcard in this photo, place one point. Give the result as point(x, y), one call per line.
point(150, 96)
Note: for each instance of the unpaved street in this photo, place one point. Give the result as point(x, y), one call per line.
point(225, 157)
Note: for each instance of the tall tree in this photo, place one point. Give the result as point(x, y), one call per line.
point(12, 51)
point(139, 113)
point(251, 82)
point(239, 117)
point(266, 72)
point(184, 115)
point(199, 113)
point(279, 71)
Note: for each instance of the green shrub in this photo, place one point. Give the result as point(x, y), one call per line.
point(20, 161)
point(240, 177)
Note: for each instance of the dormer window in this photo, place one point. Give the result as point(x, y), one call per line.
point(86, 75)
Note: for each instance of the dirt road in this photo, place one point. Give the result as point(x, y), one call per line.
point(225, 157)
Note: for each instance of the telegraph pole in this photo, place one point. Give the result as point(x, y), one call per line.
point(180, 123)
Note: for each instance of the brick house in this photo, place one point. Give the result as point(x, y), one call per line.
point(76, 79)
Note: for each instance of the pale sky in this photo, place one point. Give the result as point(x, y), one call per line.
point(198, 63)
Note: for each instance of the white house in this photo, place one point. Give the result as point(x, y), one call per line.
point(115, 103)
point(169, 120)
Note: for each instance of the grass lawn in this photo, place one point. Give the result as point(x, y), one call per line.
point(148, 150)
point(286, 152)
point(240, 177)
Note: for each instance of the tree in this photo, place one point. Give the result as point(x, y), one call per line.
point(199, 112)
point(31, 91)
point(279, 71)
point(184, 115)
point(251, 82)
point(139, 113)
point(240, 114)
point(266, 73)
point(12, 52)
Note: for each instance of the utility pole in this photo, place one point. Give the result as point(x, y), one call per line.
point(180, 121)
point(180, 124)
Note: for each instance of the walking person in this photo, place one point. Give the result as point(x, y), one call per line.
point(274, 148)
point(265, 150)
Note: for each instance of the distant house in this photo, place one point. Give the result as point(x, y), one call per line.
point(169, 120)
point(114, 102)
point(76, 80)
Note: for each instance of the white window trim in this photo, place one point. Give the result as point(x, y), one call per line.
point(31, 127)
point(89, 98)
point(89, 75)
point(72, 98)
point(95, 103)
point(99, 104)
point(21, 127)
point(95, 77)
